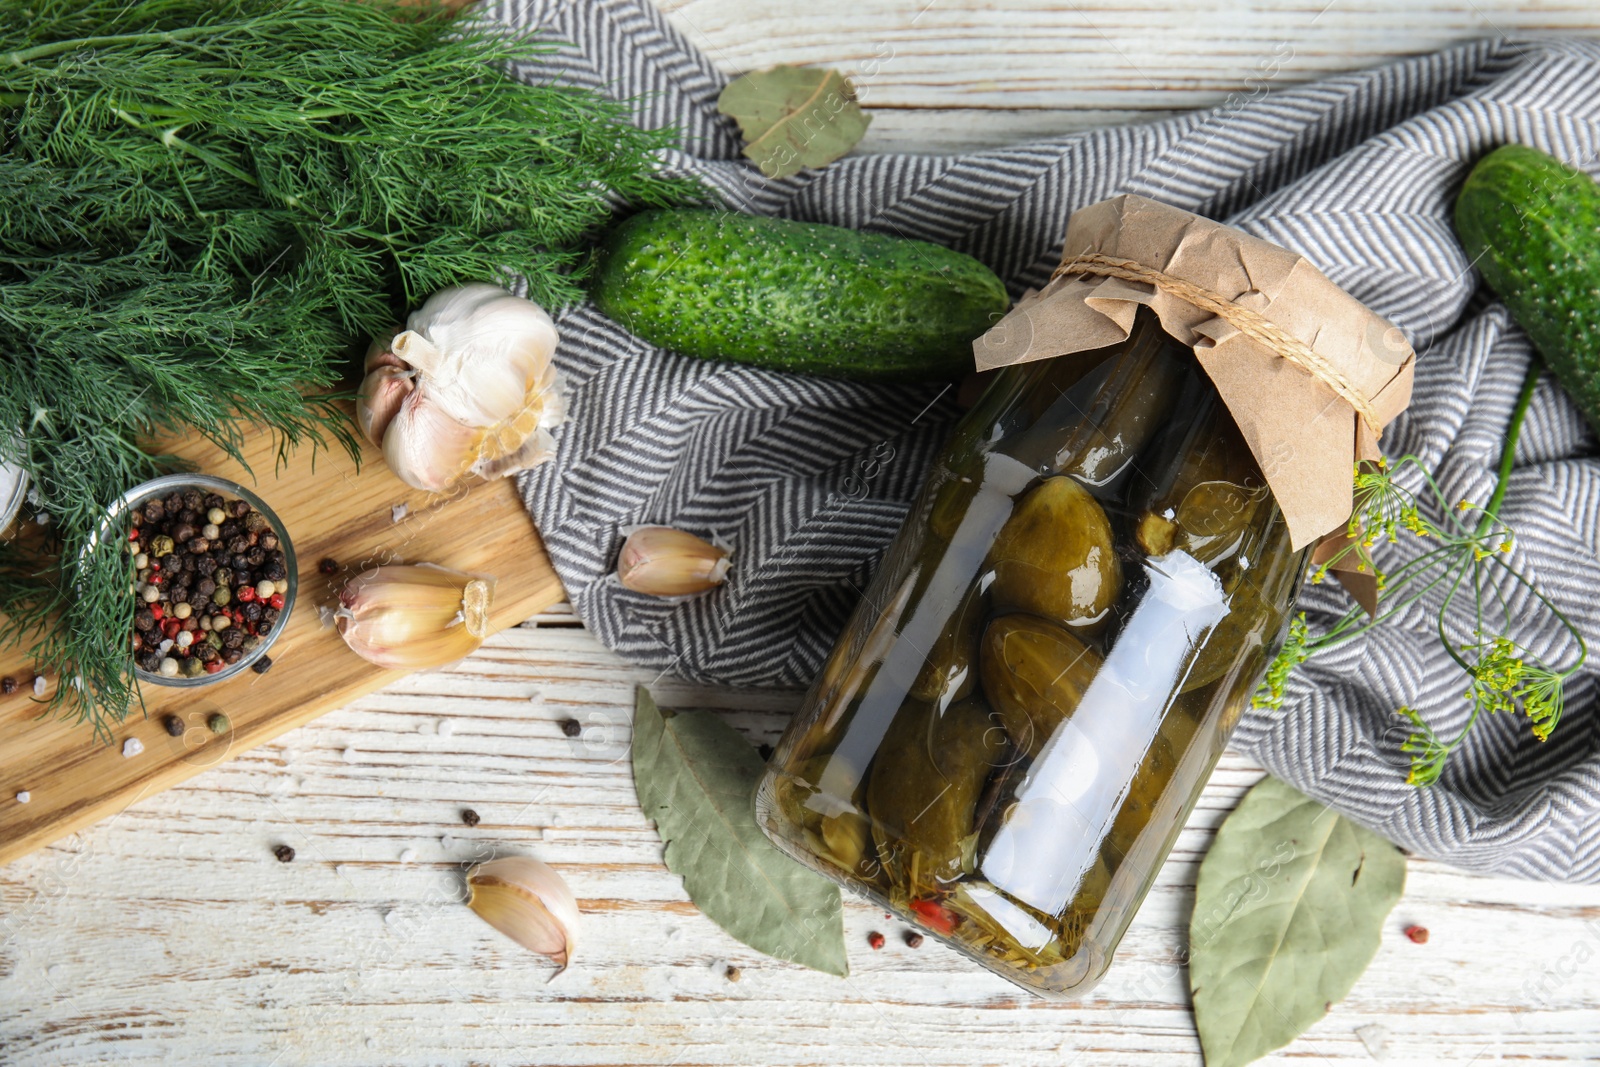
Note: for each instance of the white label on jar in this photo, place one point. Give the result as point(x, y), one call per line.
point(1075, 788)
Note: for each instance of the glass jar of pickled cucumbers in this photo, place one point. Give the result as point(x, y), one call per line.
point(1030, 696)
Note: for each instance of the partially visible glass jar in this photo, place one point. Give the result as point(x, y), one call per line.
point(1032, 693)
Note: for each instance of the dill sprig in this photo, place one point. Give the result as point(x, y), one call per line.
point(1467, 558)
point(208, 204)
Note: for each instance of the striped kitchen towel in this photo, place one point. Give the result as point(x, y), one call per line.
point(809, 479)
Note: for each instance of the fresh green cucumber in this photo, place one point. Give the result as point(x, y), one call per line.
point(796, 296)
point(1532, 224)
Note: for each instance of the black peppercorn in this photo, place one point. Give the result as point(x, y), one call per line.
point(199, 603)
point(238, 509)
point(256, 556)
point(199, 546)
point(173, 725)
point(571, 727)
point(328, 566)
point(206, 566)
point(262, 665)
point(238, 561)
point(230, 656)
point(469, 817)
point(148, 661)
point(206, 652)
point(205, 586)
point(233, 640)
point(228, 530)
point(269, 540)
point(142, 621)
point(252, 611)
point(174, 502)
point(213, 500)
point(239, 545)
point(273, 571)
point(8, 685)
point(284, 853)
point(194, 498)
point(154, 511)
point(255, 522)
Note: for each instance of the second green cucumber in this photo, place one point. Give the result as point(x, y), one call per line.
point(796, 296)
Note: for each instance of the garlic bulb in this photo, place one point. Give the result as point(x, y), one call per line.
point(410, 617)
point(528, 902)
point(661, 561)
point(467, 389)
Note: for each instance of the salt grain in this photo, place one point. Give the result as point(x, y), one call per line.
point(408, 855)
point(38, 685)
point(132, 747)
point(350, 755)
point(447, 842)
point(398, 512)
point(1376, 1039)
point(446, 727)
point(24, 796)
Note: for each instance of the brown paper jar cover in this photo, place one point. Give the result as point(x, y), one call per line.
point(1310, 374)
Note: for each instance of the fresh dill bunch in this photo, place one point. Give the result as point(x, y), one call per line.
point(1464, 563)
point(208, 205)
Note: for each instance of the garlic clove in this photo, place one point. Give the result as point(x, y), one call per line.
point(528, 902)
point(425, 447)
point(411, 617)
point(661, 561)
point(383, 390)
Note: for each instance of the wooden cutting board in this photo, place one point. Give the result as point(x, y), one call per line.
point(331, 511)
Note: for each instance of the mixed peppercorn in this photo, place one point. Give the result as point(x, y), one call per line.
point(209, 585)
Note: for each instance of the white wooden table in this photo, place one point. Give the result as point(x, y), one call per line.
point(170, 935)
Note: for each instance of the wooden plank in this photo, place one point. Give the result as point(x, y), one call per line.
point(172, 936)
point(946, 75)
point(330, 510)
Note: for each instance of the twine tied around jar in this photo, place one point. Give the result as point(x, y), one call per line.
point(1240, 318)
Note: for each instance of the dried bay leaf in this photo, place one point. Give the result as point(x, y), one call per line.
point(1288, 912)
point(794, 117)
point(696, 779)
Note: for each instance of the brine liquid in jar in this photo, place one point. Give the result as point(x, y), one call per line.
point(1035, 687)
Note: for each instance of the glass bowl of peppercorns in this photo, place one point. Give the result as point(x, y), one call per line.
point(214, 578)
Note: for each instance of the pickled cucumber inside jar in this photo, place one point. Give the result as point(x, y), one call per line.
point(951, 670)
point(1104, 409)
point(1055, 558)
point(1034, 673)
point(1210, 489)
point(924, 790)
